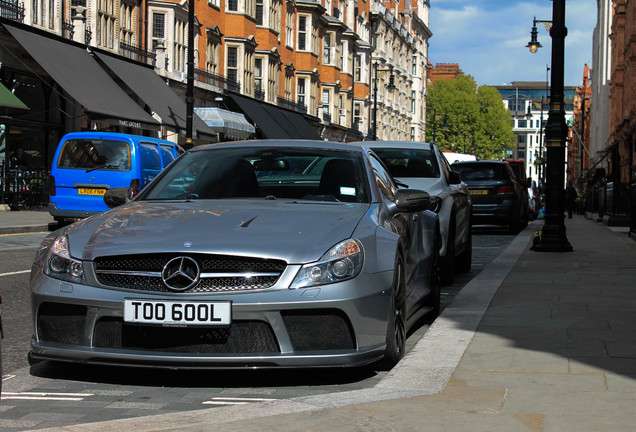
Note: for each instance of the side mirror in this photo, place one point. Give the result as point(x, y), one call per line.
point(117, 196)
point(454, 178)
point(412, 200)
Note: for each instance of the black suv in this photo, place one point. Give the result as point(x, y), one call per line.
point(498, 197)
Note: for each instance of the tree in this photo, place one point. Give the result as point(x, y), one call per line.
point(465, 118)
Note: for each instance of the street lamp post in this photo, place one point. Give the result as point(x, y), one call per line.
point(390, 87)
point(189, 99)
point(552, 236)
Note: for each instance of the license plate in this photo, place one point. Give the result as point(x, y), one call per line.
point(90, 191)
point(168, 312)
point(478, 192)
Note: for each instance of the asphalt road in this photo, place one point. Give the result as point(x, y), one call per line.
point(59, 390)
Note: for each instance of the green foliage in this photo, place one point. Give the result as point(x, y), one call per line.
point(465, 118)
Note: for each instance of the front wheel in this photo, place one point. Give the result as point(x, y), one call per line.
point(396, 326)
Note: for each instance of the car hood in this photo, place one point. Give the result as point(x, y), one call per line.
point(297, 232)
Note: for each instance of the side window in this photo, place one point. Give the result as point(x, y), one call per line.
point(445, 166)
point(167, 156)
point(383, 179)
point(150, 162)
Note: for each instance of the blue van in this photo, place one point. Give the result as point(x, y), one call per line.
point(87, 164)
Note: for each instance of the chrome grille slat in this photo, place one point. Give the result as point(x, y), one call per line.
point(219, 273)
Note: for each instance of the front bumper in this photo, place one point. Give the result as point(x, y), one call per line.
point(342, 324)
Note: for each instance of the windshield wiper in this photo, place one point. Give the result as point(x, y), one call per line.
point(107, 165)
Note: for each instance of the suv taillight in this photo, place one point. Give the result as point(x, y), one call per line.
point(51, 186)
point(505, 190)
point(134, 187)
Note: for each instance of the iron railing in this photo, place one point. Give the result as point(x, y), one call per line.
point(135, 53)
point(12, 10)
point(216, 80)
point(24, 189)
point(285, 103)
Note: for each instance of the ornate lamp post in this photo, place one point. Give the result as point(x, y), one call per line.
point(553, 234)
point(189, 99)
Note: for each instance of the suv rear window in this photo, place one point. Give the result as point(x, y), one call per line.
point(476, 172)
point(87, 154)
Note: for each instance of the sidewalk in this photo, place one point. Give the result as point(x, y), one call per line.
point(12, 222)
point(536, 342)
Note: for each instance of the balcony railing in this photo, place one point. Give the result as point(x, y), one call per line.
point(12, 10)
point(216, 80)
point(285, 103)
point(68, 30)
point(133, 52)
point(259, 94)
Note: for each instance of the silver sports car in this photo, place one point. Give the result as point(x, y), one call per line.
point(256, 253)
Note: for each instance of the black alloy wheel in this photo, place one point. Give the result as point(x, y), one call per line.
point(396, 328)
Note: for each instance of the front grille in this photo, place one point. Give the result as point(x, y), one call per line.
point(220, 273)
point(61, 323)
point(320, 329)
point(243, 337)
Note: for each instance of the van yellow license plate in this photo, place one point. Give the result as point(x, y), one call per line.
point(91, 191)
point(478, 192)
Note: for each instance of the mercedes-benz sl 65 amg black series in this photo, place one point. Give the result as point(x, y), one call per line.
point(256, 253)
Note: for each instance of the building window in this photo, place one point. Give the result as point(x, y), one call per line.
point(158, 29)
point(258, 79)
point(105, 24)
point(357, 115)
point(180, 51)
point(259, 12)
point(231, 72)
point(127, 23)
point(212, 52)
point(302, 32)
point(325, 102)
point(289, 27)
point(328, 48)
point(413, 99)
point(414, 66)
point(358, 70)
point(301, 92)
point(232, 5)
point(248, 71)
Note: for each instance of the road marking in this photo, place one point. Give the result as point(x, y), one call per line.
point(235, 401)
point(45, 396)
point(15, 273)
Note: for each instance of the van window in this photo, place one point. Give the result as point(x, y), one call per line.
point(167, 156)
point(150, 161)
point(110, 155)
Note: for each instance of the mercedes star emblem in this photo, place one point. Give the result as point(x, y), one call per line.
point(180, 273)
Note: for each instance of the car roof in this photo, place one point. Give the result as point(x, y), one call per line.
point(481, 162)
point(285, 143)
point(397, 144)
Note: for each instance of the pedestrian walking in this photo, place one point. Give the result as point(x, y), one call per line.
point(571, 197)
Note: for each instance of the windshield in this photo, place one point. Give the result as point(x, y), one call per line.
point(409, 162)
point(89, 154)
point(272, 173)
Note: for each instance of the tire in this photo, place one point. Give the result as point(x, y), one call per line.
point(464, 260)
point(396, 327)
point(449, 263)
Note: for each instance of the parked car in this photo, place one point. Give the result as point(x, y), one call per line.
point(423, 166)
point(87, 164)
point(498, 197)
point(1, 337)
point(216, 265)
point(519, 168)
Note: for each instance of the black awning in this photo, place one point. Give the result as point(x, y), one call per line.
point(301, 124)
point(275, 122)
point(73, 68)
point(271, 124)
point(145, 83)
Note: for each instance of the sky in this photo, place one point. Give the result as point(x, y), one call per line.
point(488, 38)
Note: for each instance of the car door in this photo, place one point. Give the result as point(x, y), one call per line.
point(461, 200)
point(410, 227)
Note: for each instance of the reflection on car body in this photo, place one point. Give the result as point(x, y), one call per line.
point(233, 257)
